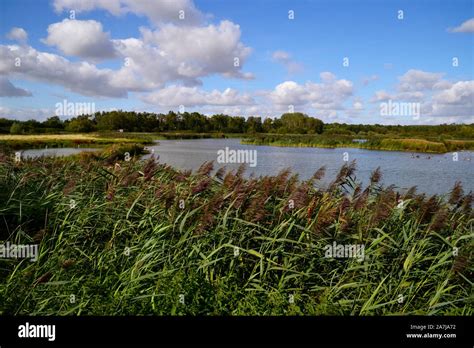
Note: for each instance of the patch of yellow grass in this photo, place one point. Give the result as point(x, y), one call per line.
point(49, 137)
point(64, 140)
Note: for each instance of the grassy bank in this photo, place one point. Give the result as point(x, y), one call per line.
point(130, 237)
point(70, 140)
point(371, 143)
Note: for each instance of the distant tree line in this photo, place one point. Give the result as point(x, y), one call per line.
point(288, 123)
point(130, 121)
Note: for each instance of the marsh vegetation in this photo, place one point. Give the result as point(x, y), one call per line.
point(145, 238)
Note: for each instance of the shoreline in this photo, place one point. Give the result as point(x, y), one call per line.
point(414, 145)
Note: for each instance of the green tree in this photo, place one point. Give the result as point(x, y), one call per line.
point(254, 125)
point(81, 124)
point(53, 122)
point(267, 126)
point(299, 123)
point(17, 128)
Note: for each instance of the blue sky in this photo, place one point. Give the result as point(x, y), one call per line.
point(284, 63)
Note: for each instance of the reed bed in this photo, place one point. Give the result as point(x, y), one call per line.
point(370, 143)
point(131, 237)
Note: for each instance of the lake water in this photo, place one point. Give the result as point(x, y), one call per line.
point(431, 173)
point(61, 151)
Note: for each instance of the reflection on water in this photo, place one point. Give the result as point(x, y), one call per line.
point(431, 173)
point(62, 151)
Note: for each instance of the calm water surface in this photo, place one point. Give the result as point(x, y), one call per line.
point(61, 151)
point(431, 173)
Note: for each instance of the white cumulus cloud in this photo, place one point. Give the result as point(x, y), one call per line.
point(200, 51)
point(79, 77)
point(18, 34)
point(441, 100)
point(415, 80)
point(7, 89)
point(285, 58)
point(330, 94)
point(193, 96)
point(465, 27)
point(85, 39)
point(157, 11)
